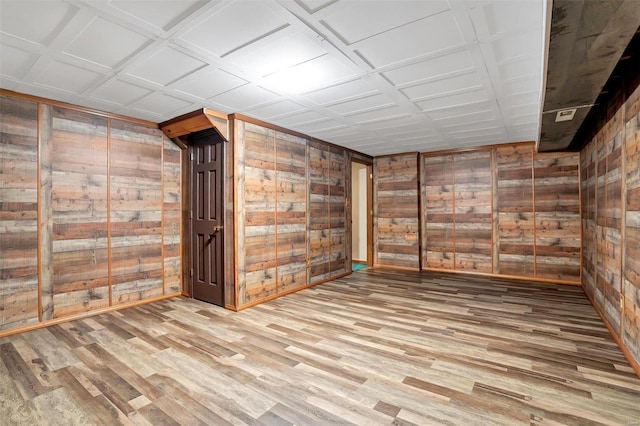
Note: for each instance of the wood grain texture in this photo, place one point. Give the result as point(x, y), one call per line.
point(413, 348)
point(18, 213)
point(64, 198)
point(135, 212)
point(557, 207)
point(290, 205)
point(291, 211)
point(396, 210)
point(480, 212)
point(172, 216)
point(473, 211)
point(631, 216)
point(79, 212)
point(319, 222)
point(516, 222)
point(588, 204)
point(437, 211)
point(45, 206)
point(337, 211)
point(259, 244)
point(611, 223)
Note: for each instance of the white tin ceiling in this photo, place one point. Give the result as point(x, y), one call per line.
point(378, 76)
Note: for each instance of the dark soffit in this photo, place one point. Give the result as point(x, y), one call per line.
point(587, 40)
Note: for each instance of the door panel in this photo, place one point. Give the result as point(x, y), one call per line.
point(207, 221)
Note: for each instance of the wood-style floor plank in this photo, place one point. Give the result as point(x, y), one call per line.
point(376, 347)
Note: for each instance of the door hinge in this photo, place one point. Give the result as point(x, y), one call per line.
point(370, 175)
point(191, 273)
point(190, 215)
point(192, 156)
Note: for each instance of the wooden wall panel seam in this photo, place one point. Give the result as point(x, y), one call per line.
point(419, 201)
point(45, 220)
point(533, 204)
point(275, 210)
point(162, 220)
point(623, 219)
point(109, 245)
point(453, 216)
point(236, 202)
point(39, 213)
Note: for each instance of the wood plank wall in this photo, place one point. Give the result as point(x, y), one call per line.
point(257, 215)
point(291, 215)
point(172, 216)
point(291, 211)
point(503, 211)
point(319, 227)
point(610, 181)
point(437, 211)
point(327, 246)
point(338, 171)
point(473, 212)
point(80, 211)
point(396, 211)
point(557, 215)
point(135, 212)
point(18, 213)
point(514, 209)
point(105, 194)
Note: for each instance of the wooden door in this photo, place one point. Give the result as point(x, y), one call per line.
point(207, 214)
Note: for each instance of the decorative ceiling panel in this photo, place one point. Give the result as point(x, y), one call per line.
point(92, 45)
point(235, 26)
point(61, 76)
point(436, 34)
point(437, 67)
point(380, 76)
point(377, 17)
point(36, 22)
point(161, 14)
point(165, 66)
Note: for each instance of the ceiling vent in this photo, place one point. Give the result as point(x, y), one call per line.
point(565, 115)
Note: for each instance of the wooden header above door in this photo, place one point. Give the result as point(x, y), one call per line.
point(195, 121)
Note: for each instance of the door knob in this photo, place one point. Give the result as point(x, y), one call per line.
point(217, 228)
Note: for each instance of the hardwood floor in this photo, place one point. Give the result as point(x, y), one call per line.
point(376, 347)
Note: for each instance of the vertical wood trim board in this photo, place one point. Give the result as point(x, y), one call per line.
point(172, 216)
point(81, 213)
point(45, 228)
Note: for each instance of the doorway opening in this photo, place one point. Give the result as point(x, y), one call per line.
point(207, 216)
point(361, 215)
